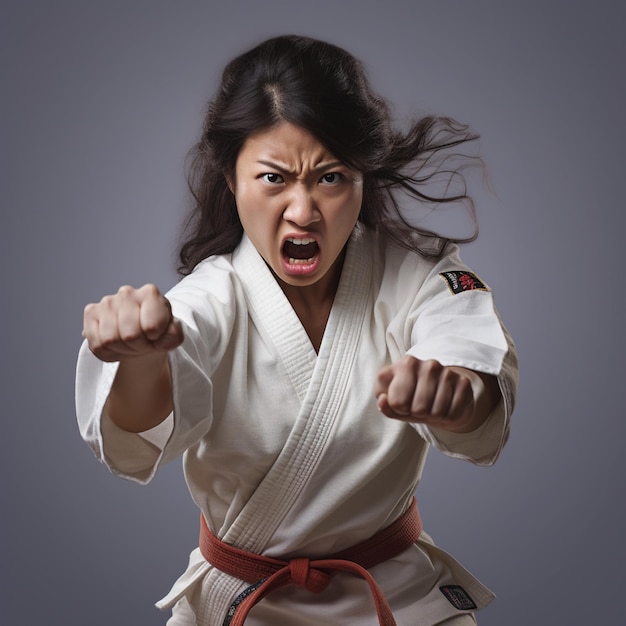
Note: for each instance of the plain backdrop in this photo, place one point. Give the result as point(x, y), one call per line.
point(100, 103)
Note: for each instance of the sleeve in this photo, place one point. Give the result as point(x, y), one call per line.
point(456, 323)
point(208, 318)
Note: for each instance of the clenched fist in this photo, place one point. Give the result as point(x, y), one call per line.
point(132, 323)
point(452, 398)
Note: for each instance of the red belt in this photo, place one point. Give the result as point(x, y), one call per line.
point(312, 574)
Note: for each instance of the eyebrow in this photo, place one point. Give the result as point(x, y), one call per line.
point(316, 170)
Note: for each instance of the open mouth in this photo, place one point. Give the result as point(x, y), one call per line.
point(300, 251)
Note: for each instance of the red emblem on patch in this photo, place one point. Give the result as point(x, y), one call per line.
point(460, 281)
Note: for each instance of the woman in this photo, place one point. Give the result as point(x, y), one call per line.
point(315, 347)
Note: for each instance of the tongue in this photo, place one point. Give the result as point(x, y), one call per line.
point(294, 251)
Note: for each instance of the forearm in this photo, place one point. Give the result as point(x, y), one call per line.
point(141, 395)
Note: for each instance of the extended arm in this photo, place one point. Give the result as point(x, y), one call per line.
point(136, 328)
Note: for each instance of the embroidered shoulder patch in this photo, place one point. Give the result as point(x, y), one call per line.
point(458, 597)
point(458, 282)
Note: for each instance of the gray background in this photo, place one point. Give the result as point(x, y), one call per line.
point(100, 103)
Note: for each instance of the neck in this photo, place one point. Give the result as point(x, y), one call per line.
point(312, 303)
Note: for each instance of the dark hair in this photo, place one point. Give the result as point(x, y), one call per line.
point(323, 89)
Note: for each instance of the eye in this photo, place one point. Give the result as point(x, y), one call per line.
point(331, 178)
point(271, 178)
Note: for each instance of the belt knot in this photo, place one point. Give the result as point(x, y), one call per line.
point(266, 574)
point(303, 575)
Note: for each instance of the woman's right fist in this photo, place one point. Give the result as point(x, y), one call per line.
point(130, 324)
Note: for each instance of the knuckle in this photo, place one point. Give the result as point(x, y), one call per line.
point(465, 383)
point(107, 301)
point(150, 289)
point(408, 362)
point(464, 387)
point(90, 310)
point(125, 290)
point(431, 366)
point(382, 375)
point(449, 378)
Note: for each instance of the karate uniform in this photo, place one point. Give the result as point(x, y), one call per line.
point(284, 449)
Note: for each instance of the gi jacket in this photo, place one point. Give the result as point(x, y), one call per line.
point(284, 449)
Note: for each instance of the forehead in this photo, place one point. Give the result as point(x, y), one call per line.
point(285, 142)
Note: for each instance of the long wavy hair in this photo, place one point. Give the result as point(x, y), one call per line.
point(323, 89)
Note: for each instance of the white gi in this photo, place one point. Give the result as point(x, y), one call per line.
point(285, 451)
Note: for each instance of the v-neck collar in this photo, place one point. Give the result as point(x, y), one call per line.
point(273, 314)
point(322, 381)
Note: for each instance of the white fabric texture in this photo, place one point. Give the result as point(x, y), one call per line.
point(284, 449)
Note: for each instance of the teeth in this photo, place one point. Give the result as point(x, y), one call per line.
point(301, 261)
point(300, 242)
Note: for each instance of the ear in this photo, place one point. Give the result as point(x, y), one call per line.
point(230, 183)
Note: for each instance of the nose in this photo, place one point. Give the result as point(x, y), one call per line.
point(301, 208)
